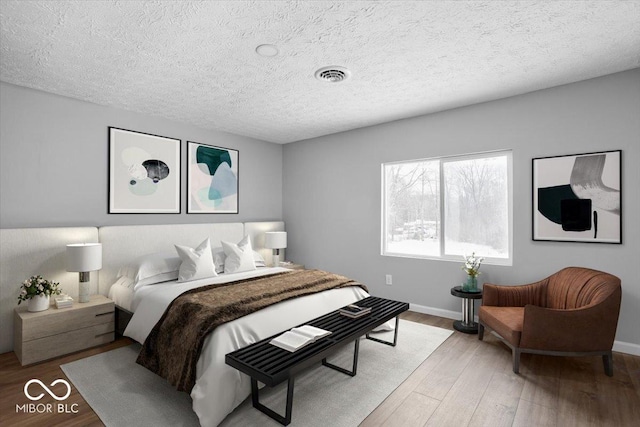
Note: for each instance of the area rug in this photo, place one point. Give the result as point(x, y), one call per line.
point(123, 393)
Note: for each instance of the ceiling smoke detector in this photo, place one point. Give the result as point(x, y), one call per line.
point(332, 74)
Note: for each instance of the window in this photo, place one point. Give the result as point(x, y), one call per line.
point(447, 207)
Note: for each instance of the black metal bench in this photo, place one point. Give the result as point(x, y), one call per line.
point(272, 365)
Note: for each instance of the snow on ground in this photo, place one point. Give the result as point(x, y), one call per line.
point(431, 247)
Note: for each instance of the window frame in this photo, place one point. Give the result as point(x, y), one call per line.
point(508, 154)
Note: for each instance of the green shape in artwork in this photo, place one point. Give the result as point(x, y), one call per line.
point(143, 187)
point(550, 201)
point(204, 195)
point(212, 157)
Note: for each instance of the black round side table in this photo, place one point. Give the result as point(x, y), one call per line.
point(466, 325)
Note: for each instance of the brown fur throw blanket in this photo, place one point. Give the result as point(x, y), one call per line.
point(173, 347)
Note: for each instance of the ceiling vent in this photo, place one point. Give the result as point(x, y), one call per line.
point(332, 74)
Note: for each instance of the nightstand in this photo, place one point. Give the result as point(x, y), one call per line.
point(55, 332)
point(292, 266)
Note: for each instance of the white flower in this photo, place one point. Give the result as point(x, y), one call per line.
point(472, 264)
point(23, 292)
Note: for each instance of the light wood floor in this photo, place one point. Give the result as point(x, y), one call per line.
point(465, 382)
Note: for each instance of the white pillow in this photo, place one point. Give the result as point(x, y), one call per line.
point(151, 269)
point(238, 257)
point(124, 281)
point(219, 258)
point(196, 263)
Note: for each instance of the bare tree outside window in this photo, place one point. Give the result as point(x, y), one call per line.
point(476, 207)
point(412, 207)
point(472, 193)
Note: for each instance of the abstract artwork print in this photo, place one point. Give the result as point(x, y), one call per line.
point(576, 198)
point(144, 172)
point(212, 179)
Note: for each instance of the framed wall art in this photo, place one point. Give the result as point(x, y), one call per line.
point(144, 172)
point(577, 198)
point(212, 179)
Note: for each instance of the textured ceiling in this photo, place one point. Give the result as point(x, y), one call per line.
point(195, 62)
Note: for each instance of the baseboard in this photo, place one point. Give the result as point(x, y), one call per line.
point(447, 314)
point(626, 347)
point(619, 346)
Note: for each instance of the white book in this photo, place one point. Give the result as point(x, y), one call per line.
point(354, 311)
point(63, 301)
point(354, 316)
point(299, 337)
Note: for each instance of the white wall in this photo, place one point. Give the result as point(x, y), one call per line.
point(332, 194)
point(54, 164)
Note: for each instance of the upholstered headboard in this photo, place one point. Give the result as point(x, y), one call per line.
point(121, 244)
point(30, 251)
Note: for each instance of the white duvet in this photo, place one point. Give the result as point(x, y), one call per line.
point(220, 388)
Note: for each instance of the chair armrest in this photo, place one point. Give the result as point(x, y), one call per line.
point(589, 328)
point(515, 296)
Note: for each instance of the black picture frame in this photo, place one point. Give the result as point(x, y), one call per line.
point(144, 173)
point(213, 179)
point(577, 198)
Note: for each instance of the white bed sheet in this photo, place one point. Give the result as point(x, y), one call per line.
point(126, 297)
point(220, 388)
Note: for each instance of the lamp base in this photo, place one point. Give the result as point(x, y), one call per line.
point(276, 258)
point(84, 287)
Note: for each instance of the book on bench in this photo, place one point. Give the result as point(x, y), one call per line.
point(298, 337)
point(354, 311)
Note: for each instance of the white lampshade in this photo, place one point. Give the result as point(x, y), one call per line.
point(83, 257)
point(275, 240)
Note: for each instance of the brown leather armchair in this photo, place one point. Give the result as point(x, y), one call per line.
point(573, 312)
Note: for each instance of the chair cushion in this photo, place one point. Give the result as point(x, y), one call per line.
point(506, 321)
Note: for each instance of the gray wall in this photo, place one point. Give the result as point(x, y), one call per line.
point(332, 194)
point(54, 164)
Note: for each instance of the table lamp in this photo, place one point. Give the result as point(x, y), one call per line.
point(84, 258)
point(276, 240)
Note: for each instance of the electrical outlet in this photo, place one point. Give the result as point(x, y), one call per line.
point(389, 279)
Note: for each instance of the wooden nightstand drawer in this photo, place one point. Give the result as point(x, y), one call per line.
point(65, 343)
point(56, 321)
point(54, 332)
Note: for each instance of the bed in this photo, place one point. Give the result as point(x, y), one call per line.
point(218, 387)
